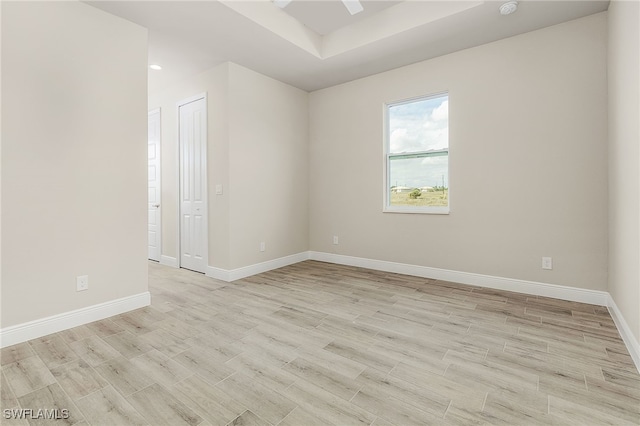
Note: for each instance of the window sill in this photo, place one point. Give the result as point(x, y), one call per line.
point(417, 210)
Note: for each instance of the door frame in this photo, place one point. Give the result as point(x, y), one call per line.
point(159, 183)
point(180, 103)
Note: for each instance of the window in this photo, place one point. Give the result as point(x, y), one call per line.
point(417, 155)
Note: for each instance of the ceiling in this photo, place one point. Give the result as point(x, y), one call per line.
point(317, 44)
point(324, 17)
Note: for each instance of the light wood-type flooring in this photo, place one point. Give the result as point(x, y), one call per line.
point(321, 344)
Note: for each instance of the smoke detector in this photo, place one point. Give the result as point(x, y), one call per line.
point(508, 8)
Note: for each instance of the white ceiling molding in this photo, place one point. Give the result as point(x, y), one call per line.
point(387, 23)
point(326, 16)
point(189, 37)
point(395, 20)
point(271, 16)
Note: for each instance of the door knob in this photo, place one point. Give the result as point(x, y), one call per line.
point(156, 205)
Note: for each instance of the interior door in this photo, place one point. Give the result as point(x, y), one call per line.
point(193, 184)
point(154, 185)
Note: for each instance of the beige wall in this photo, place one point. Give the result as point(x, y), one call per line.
point(257, 138)
point(624, 160)
point(73, 158)
point(268, 146)
point(528, 163)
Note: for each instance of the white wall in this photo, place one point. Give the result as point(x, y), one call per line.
point(257, 138)
point(624, 160)
point(73, 158)
point(528, 163)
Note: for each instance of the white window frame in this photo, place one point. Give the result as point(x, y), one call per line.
point(387, 207)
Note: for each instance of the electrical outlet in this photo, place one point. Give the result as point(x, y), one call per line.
point(335, 239)
point(547, 263)
point(263, 246)
point(82, 283)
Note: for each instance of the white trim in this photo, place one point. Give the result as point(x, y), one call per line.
point(625, 332)
point(190, 99)
point(177, 164)
point(417, 210)
point(168, 261)
point(42, 327)
point(386, 164)
point(159, 183)
point(258, 268)
point(218, 273)
point(573, 294)
point(179, 104)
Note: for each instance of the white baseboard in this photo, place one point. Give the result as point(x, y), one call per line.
point(573, 294)
point(625, 332)
point(218, 273)
point(247, 271)
point(42, 327)
point(168, 261)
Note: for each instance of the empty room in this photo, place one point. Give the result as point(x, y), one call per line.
point(331, 212)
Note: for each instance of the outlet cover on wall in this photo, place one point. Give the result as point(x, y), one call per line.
point(547, 263)
point(335, 239)
point(82, 283)
point(263, 246)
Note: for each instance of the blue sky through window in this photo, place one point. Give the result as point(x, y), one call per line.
point(418, 126)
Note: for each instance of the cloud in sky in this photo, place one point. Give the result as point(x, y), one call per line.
point(419, 126)
point(441, 113)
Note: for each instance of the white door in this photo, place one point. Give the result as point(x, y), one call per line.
point(154, 185)
point(193, 184)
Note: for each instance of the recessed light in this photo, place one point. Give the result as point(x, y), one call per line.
point(509, 7)
point(155, 67)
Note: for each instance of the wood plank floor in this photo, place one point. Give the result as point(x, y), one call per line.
point(321, 344)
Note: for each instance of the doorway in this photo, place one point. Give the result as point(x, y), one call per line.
point(193, 209)
point(154, 213)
